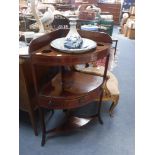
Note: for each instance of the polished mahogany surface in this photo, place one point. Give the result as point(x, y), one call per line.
point(68, 89)
point(44, 52)
point(75, 90)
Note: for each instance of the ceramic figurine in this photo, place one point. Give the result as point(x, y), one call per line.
point(34, 11)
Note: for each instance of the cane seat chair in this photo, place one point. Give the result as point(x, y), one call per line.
point(110, 87)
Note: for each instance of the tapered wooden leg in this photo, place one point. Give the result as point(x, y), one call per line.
point(113, 105)
point(32, 119)
point(99, 108)
point(43, 127)
point(51, 114)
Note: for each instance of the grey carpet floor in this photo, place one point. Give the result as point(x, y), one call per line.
point(114, 137)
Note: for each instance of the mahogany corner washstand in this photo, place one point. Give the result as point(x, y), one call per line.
point(68, 89)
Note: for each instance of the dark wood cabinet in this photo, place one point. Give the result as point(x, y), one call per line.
point(86, 2)
point(113, 8)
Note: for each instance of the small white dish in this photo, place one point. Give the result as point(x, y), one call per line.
point(86, 46)
point(89, 27)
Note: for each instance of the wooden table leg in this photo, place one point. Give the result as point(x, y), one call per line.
point(33, 122)
point(43, 127)
point(116, 41)
point(115, 47)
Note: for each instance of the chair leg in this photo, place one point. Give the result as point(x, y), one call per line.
point(41, 113)
point(113, 105)
point(99, 108)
